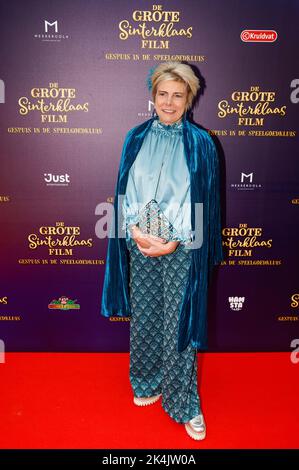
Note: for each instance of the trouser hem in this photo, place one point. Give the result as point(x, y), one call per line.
point(179, 420)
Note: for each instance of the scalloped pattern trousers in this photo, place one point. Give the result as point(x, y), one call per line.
point(157, 286)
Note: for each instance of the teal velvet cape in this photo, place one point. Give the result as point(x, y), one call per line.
point(203, 165)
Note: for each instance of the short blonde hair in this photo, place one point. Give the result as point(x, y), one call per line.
point(179, 72)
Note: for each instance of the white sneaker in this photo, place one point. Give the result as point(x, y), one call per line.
point(146, 401)
point(196, 428)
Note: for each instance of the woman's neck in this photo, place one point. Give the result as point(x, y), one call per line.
point(170, 123)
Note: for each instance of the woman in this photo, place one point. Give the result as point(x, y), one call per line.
point(167, 197)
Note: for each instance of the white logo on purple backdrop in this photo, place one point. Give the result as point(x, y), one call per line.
point(236, 303)
point(2, 91)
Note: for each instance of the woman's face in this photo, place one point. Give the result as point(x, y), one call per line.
point(170, 100)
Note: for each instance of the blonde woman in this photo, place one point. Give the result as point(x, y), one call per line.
point(167, 197)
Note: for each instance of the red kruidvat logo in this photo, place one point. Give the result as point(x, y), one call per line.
point(258, 35)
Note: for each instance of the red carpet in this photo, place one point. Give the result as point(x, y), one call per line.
point(72, 400)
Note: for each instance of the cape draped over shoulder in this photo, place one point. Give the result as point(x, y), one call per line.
point(203, 165)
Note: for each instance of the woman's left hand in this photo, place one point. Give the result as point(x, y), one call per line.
point(158, 248)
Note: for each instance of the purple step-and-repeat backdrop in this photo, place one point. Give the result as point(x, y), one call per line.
point(73, 81)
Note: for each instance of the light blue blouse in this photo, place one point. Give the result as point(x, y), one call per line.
point(160, 172)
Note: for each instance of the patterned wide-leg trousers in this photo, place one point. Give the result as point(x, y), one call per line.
point(157, 285)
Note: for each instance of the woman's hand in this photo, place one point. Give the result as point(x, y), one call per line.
point(144, 240)
point(152, 246)
point(159, 249)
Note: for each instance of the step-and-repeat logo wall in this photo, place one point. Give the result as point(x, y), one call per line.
point(72, 84)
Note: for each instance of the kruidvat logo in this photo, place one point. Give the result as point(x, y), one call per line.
point(258, 35)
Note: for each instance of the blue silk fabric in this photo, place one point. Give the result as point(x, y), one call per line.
point(203, 165)
point(160, 172)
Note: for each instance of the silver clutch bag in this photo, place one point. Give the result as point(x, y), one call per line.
point(152, 221)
